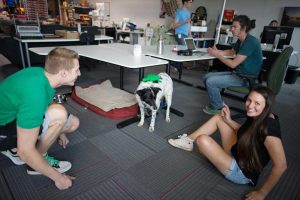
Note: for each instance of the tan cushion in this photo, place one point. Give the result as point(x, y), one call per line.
point(105, 96)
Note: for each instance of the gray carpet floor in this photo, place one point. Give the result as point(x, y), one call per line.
point(132, 163)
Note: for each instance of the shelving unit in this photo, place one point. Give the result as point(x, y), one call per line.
point(198, 33)
point(34, 9)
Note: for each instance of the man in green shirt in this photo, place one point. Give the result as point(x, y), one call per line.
point(30, 123)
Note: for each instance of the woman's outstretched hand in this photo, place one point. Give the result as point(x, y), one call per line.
point(225, 114)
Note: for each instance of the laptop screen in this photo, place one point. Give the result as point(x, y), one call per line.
point(189, 43)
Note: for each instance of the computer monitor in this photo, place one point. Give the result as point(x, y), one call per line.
point(284, 33)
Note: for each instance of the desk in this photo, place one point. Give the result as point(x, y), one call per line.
point(172, 56)
point(50, 40)
point(168, 54)
point(109, 54)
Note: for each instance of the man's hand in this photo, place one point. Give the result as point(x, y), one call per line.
point(215, 52)
point(64, 181)
point(63, 140)
point(188, 20)
point(255, 195)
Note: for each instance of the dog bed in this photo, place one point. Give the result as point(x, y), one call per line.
point(106, 100)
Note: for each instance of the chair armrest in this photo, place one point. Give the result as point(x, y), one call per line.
point(250, 78)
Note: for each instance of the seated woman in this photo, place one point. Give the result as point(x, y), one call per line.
point(248, 60)
point(246, 149)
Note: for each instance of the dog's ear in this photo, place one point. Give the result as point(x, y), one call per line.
point(140, 92)
point(156, 90)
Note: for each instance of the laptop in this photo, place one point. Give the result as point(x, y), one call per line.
point(190, 44)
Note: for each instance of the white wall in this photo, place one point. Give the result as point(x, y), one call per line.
point(140, 12)
point(143, 11)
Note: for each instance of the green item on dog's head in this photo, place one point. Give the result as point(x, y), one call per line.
point(154, 78)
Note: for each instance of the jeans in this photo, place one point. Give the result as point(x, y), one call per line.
point(215, 81)
point(235, 174)
point(180, 41)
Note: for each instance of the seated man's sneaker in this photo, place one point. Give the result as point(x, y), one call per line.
point(183, 142)
point(211, 111)
point(12, 154)
point(61, 166)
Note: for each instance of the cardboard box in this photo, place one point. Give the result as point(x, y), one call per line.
point(67, 34)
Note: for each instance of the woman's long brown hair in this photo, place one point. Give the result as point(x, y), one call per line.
point(248, 143)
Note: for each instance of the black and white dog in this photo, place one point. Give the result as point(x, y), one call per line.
point(149, 95)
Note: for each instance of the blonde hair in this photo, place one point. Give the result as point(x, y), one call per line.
point(60, 58)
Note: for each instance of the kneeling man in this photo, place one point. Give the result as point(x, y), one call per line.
point(30, 123)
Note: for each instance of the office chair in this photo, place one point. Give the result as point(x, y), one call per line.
point(87, 38)
point(274, 80)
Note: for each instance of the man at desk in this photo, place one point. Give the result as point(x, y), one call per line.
point(248, 60)
point(30, 122)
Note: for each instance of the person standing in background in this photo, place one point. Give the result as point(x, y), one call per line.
point(182, 25)
point(182, 21)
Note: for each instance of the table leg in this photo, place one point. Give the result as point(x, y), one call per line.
point(141, 73)
point(180, 71)
point(128, 122)
point(137, 118)
point(27, 54)
point(121, 77)
point(168, 68)
point(22, 55)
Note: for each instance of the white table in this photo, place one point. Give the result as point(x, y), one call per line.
point(168, 54)
point(50, 40)
point(106, 53)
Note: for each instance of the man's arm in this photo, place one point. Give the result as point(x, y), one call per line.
point(232, 63)
point(26, 139)
point(176, 23)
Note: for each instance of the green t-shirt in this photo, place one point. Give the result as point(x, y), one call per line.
point(25, 96)
point(250, 48)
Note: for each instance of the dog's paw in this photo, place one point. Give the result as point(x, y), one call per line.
point(151, 129)
point(168, 119)
point(140, 124)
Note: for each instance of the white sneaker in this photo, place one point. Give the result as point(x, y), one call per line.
point(12, 154)
point(183, 142)
point(61, 166)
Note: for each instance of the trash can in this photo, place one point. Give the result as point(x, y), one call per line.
point(291, 74)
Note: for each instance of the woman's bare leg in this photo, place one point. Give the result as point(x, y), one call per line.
point(214, 153)
point(228, 135)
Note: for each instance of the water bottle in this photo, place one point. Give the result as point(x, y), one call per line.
point(160, 45)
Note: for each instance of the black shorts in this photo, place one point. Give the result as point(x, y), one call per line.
point(8, 136)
